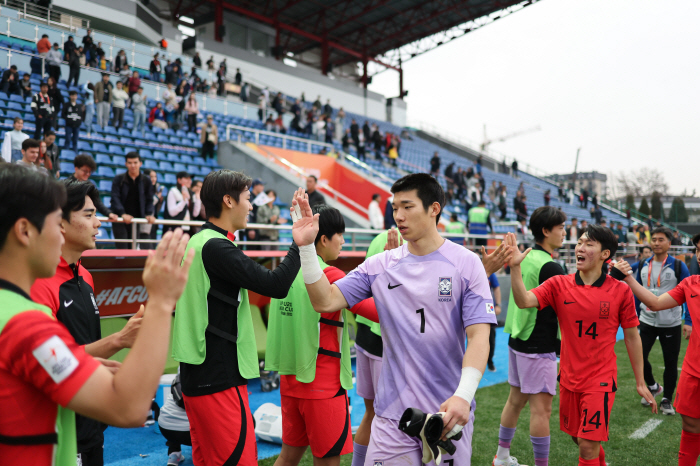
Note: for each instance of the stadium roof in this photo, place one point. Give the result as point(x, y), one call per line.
point(388, 32)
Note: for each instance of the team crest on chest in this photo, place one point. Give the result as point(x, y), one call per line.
point(604, 310)
point(445, 287)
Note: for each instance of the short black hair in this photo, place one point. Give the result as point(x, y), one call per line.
point(183, 174)
point(646, 246)
point(330, 222)
point(44, 35)
point(454, 217)
point(376, 196)
point(30, 144)
point(604, 236)
point(574, 218)
point(481, 202)
point(76, 192)
point(696, 240)
point(665, 230)
point(133, 155)
point(545, 218)
point(73, 93)
point(13, 67)
point(85, 160)
point(310, 176)
point(428, 189)
point(26, 194)
point(219, 183)
point(17, 119)
point(49, 133)
point(43, 83)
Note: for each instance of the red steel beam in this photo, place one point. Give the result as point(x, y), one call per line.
point(297, 31)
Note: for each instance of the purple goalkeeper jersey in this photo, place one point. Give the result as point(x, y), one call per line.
point(424, 305)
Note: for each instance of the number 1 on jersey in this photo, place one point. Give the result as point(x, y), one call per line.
point(590, 331)
point(422, 319)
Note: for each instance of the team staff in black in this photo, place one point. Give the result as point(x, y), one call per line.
point(132, 196)
point(84, 166)
point(73, 113)
point(70, 296)
point(44, 111)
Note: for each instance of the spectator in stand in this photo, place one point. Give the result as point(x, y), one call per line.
point(73, 113)
point(157, 117)
point(158, 199)
point(493, 189)
point(44, 45)
point(163, 44)
point(155, 69)
point(269, 214)
point(224, 66)
point(25, 86)
point(328, 110)
point(119, 61)
point(573, 233)
point(367, 131)
point(52, 153)
point(345, 140)
point(56, 99)
point(389, 214)
point(88, 90)
point(30, 153)
point(211, 64)
point(134, 84)
point(317, 103)
point(197, 60)
point(479, 222)
point(502, 203)
point(279, 125)
point(355, 132)
point(435, 165)
point(594, 200)
point(53, 61)
point(330, 131)
point(209, 137)
point(520, 208)
point(179, 204)
point(376, 216)
point(125, 75)
point(43, 110)
point(132, 194)
point(42, 160)
point(68, 48)
point(12, 143)
point(103, 100)
point(676, 241)
point(221, 80)
point(479, 162)
point(393, 152)
point(74, 67)
point(514, 169)
point(87, 39)
point(192, 109)
point(315, 197)
point(377, 140)
point(100, 57)
point(138, 106)
point(119, 98)
point(239, 77)
point(547, 197)
point(84, 166)
point(10, 81)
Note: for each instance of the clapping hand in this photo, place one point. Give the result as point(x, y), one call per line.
point(393, 239)
point(305, 227)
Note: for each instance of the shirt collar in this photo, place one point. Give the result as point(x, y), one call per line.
point(211, 226)
point(598, 283)
point(540, 248)
point(5, 285)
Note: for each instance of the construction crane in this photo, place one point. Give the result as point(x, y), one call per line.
point(487, 142)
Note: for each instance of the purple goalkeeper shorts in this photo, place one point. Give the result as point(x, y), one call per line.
point(533, 373)
point(368, 369)
point(388, 446)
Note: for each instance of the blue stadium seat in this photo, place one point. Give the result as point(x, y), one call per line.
point(173, 158)
point(145, 153)
point(186, 159)
point(84, 145)
point(159, 155)
point(13, 114)
point(16, 98)
point(107, 201)
point(103, 159)
point(162, 138)
point(99, 147)
point(170, 178)
point(66, 167)
point(165, 166)
point(67, 154)
point(119, 160)
point(105, 186)
point(105, 171)
point(180, 167)
point(152, 164)
point(116, 150)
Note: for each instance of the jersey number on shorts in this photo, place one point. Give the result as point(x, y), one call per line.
point(422, 319)
point(593, 420)
point(591, 330)
point(449, 462)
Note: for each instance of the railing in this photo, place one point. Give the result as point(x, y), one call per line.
point(49, 16)
point(284, 137)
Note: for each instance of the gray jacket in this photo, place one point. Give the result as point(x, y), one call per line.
point(138, 103)
point(54, 57)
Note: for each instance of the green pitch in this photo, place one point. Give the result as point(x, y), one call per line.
point(659, 448)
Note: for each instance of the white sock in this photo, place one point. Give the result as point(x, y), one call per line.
point(654, 387)
point(502, 453)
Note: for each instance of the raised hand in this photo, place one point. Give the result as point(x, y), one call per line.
point(393, 239)
point(494, 261)
point(624, 267)
point(165, 273)
point(128, 334)
point(305, 227)
point(517, 256)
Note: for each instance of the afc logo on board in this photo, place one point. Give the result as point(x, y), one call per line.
point(604, 310)
point(445, 289)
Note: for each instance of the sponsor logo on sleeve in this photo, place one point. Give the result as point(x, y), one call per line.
point(56, 359)
point(445, 289)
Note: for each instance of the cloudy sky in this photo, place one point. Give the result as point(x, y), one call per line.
point(618, 78)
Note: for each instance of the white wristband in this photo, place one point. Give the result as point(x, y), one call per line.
point(468, 383)
point(310, 270)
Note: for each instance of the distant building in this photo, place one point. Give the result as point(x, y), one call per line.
point(593, 182)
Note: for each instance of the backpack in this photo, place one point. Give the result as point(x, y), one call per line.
point(176, 392)
point(676, 269)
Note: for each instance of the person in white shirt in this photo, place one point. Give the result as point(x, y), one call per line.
point(180, 204)
point(119, 98)
point(376, 216)
point(12, 144)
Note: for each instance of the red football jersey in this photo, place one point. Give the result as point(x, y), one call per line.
point(589, 316)
point(41, 367)
point(688, 291)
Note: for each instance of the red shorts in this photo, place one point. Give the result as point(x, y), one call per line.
point(585, 415)
point(221, 427)
point(687, 395)
point(323, 424)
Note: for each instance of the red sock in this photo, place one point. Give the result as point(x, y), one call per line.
point(690, 449)
point(593, 462)
point(601, 457)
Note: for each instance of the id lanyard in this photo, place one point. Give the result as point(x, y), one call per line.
point(658, 280)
